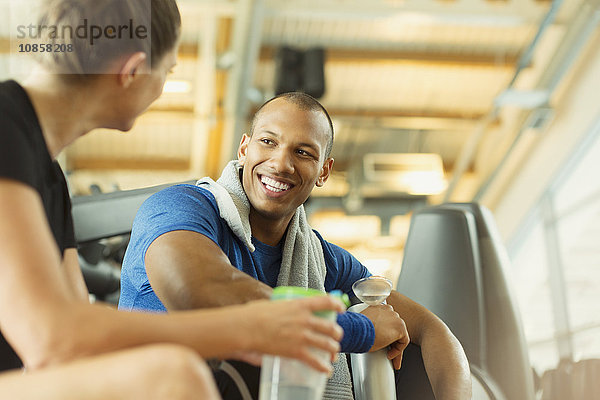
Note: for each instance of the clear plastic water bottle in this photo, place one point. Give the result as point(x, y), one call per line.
point(372, 373)
point(284, 378)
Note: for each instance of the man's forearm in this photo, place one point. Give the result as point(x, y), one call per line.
point(230, 288)
point(446, 364)
point(444, 358)
point(236, 288)
point(189, 271)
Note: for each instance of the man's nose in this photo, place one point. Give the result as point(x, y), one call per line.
point(282, 162)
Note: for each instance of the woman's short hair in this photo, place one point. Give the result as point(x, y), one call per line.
point(89, 34)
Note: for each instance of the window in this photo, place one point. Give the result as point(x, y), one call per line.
point(529, 278)
point(558, 281)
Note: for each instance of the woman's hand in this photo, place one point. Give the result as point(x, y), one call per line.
point(290, 328)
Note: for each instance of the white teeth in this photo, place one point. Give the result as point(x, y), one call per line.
point(274, 185)
point(273, 189)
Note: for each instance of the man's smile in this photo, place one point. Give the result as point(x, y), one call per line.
point(274, 185)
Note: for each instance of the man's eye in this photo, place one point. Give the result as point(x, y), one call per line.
point(266, 141)
point(304, 153)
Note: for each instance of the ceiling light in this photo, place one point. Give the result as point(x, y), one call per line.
point(411, 173)
point(524, 99)
point(423, 182)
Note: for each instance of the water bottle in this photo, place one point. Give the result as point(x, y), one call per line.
point(372, 373)
point(284, 378)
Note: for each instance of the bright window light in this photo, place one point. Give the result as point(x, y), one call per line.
point(339, 227)
point(174, 86)
point(378, 266)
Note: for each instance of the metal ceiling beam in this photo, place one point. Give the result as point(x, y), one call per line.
point(215, 139)
point(473, 58)
point(580, 30)
point(390, 114)
point(466, 58)
point(458, 12)
point(411, 123)
point(468, 152)
point(247, 35)
point(108, 163)
point(5, 46)
point(218, 8)
point(204, 97)
point(403, 113)
point(358, 114)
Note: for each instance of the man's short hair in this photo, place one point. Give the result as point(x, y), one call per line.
point(306, 103)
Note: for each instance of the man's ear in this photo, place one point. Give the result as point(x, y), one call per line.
point(325, 171)
point(243, 148)
point(131, 68)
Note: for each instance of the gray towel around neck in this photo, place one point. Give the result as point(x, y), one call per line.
point(302, 261)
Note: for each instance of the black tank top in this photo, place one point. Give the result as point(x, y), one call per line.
point(24, 157)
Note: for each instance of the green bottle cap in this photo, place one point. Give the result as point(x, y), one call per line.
point(294, 292)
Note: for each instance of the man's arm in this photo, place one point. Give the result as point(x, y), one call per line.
point(188, 270)
point(390, 330)
point(444, 358)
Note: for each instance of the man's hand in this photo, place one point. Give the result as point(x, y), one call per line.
point(390, 330)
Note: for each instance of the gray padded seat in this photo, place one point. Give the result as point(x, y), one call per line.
point(102, 216)
point(455, 265)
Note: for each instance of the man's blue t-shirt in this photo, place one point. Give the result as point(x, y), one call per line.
point(191, 208)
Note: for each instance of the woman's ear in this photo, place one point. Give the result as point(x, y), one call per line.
point(131, 68)
point(242, 149)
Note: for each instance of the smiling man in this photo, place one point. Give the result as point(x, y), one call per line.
point(232, 241)
point(285, 157)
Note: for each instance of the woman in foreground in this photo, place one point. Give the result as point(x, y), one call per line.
point(70, 348)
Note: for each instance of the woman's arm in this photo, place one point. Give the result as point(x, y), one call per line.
point(70, 264)
point(45, 324)
point(146, 372)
